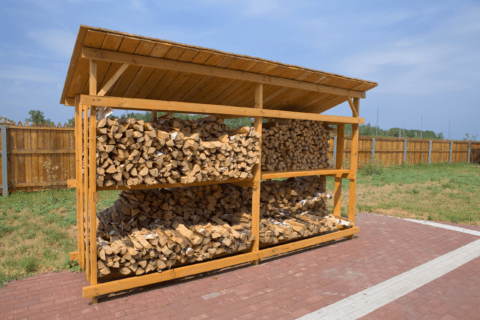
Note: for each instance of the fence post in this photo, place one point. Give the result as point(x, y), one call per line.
point(373, 150)
point(4, 161)
point(334, 150)
point(468, 156)
point(451, 148)
point(405, 151)
point(430, 151)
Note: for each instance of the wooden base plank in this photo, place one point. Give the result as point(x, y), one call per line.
point(133, 282)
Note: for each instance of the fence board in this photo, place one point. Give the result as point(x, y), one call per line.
point(31, 146)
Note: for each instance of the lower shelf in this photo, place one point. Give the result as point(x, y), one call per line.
point(138, 281)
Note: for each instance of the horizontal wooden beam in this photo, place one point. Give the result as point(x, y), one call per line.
point(175, 185)
point(133, 282)
point(198, 108)
point(132, 59)
point(42, 152)
point(303, 173)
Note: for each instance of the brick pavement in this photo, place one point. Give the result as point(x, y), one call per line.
point(280, 288)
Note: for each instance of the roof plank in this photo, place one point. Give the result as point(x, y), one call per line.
point(131, 59)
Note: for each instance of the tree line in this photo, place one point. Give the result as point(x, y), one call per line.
point(367, 130)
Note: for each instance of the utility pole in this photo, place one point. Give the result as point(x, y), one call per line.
point(404, 129)
point(448, 137)
point(376, 129)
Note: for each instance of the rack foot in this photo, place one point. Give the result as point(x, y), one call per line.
point(94, 300)
point(256, 262)
point(350, 237)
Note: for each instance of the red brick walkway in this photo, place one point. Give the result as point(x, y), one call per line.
point(280, 288)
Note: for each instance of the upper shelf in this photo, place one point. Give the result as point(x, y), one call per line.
point(244, 182)
point(303, 173)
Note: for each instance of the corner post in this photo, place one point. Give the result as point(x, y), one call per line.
point(373, 150)
point(430, 151)
point(4, 161)
point(92, 176)
point(337, 196)
point(257, 174)
point(405, 151)
point(468, 154)
point(79, 185)
point(451, 149)
point(353, 168)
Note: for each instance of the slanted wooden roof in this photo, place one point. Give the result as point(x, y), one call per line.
point(165, 70)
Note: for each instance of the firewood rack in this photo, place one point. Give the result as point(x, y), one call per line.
point(87, 72)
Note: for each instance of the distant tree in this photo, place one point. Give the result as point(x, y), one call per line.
point(468, 137)
point(37, 117)
point(71, 121)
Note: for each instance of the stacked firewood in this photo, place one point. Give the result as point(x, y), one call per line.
point(294, 145)
point(295, 208)
point(151, 230)
point(132, 152)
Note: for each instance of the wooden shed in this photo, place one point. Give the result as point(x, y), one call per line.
point(124, 71)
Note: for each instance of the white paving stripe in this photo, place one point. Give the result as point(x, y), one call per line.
point(445, 226)
point(373, 298)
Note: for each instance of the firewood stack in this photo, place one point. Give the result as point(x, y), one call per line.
point(132, 152)
point(295, 208)
point(151, 230)
point(294, 145)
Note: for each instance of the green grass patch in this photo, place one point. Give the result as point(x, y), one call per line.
point(37, 234)
point(438, 191)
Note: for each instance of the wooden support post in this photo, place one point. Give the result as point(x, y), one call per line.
point(92, 176)
point(353, 168)
point(154, 116)
point(405, 151)
point(86, 192)
point(468, 154)
point(337, 198)
point(335, 151)
point(373, 150)
point(79, 186)
point(451, 149)
point(430, 151)
point(257, 174)
point(4, 161)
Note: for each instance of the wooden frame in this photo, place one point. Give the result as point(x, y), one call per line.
point(87, 191)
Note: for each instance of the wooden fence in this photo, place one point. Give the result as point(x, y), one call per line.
point(30, 147)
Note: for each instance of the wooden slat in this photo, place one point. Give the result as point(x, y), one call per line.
point(99, 54)
point(51, 151)
point(142, 104)
point(172, 185)
point(303, 173)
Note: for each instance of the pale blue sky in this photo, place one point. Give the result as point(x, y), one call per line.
point(425, 55)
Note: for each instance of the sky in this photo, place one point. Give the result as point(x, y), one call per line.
point(424, 55)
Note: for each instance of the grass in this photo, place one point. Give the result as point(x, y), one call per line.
point(36, 234)
point(439, 192)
